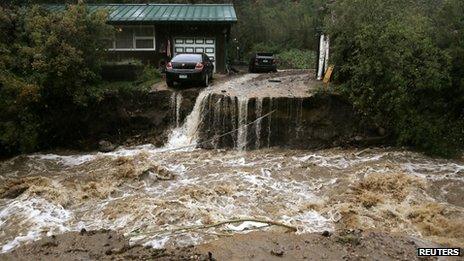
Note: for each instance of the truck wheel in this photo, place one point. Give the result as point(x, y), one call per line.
point(170, 84)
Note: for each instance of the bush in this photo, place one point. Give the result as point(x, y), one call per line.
point(393, 70)
point(150, 74)
point(297, 59)
point(47, 63)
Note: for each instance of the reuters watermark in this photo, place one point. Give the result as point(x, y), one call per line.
point(423, 252)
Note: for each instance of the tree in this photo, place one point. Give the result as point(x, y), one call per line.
point(47, 63)
point(390, 66)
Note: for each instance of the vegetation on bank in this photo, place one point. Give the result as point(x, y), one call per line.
point(402, 65)
point(50, 75)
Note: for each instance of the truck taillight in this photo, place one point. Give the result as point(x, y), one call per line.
point(169, 66)
point(274, 61)
point(256, 61)
point(199, 66)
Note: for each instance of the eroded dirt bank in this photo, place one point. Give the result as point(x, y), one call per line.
point(287, 109)
point(135, 119)
point(345, 245)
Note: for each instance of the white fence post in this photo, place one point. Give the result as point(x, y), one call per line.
point(320, 67)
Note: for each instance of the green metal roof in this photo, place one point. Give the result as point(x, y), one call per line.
point(163, 12)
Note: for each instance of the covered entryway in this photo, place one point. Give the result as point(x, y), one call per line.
point(196, 45)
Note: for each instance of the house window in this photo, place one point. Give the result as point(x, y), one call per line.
point(133, 38)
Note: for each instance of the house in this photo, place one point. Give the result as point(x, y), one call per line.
point(154, 33)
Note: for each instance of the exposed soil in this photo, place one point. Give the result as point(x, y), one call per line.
point(98, 245)
point(345, 245)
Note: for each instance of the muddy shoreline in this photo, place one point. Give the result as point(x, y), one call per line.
point(344, 245)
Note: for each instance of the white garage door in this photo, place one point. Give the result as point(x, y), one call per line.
point(196, 45)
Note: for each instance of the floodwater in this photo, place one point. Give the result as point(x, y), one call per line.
point(148, 193)
point(144, 192)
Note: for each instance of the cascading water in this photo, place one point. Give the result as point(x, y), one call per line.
point(242, 123)
point(269, 126)
point(186, 135)
point(259, 113)
point(241, 114)
point(176, 103)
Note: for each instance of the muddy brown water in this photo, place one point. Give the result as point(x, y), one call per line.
point(146, 192)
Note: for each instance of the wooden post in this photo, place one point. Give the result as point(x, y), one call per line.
point(328, 75)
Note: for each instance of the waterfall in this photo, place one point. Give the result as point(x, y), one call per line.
point(269, 125)
point(228, 116)
point(187, 134)
point(219, 118)
point(178, 106)
point(242, 123)
point(176, 103)
point(259, 113)
point(172, 105)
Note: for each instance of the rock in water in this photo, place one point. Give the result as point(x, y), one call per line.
point(106, 146)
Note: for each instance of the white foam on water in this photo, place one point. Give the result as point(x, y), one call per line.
point(36, 215)
point(239, 162)
point(157, 243)
point(132, 151)
point(435, 170)
point(70, 161)
point(209, 187)
point(337, 161)
point(310, 222)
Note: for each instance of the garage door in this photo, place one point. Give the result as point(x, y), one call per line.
point(196, 45)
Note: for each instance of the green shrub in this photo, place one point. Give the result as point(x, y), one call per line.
point(150, 74)
point(47, 63)
point(393, 70)
point(297, 59)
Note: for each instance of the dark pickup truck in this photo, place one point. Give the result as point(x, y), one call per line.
point(263, 62)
